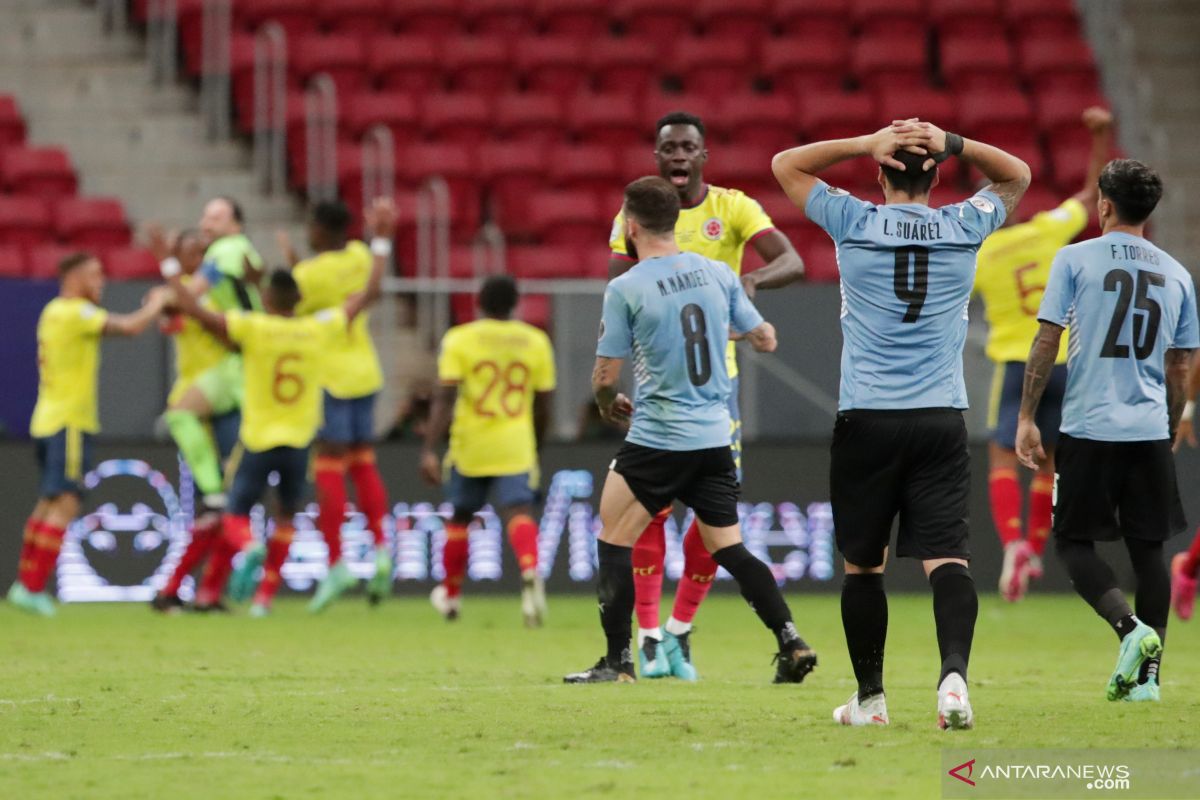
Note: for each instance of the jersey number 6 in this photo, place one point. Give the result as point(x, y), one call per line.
point(912, 290)
point(286, 386)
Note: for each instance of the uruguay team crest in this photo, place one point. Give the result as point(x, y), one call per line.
point(712, 229)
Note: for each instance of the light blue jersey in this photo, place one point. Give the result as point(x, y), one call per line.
point(672, 315)
point(1126, 303)
point(907, 273)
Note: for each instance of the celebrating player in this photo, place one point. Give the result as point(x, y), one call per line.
point(1185, 567)
point(1014, 264)
point(196, 352)
point(353, 378)
point(283, 357)
point(65, 418)
point(899, 443)
point(1126, 377)
point(716, 223)
point(496, 374)
point(672, 314)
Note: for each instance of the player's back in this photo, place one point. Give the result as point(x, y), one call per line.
point(907, 271)
point(677, 312)
point(68, 336)
point(1126, 303)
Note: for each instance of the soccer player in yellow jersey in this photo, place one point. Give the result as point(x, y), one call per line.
point(716, 223)
point(284, 360)
point(496, 374)
point(1013, 266)
point(352, 380)
point(65, 418)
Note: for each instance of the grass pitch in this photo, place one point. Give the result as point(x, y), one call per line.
point(113, 702)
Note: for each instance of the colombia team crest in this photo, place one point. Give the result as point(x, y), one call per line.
point(712, 229)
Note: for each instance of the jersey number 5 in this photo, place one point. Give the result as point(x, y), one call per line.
point(1145, 326)
point(912, 289)
point(695, 338)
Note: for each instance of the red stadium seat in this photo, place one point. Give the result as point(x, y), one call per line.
point(657, 104)
point(975, 62)
point(1064, 63)
point(711, 64)
point(1042, 17)
point(396, 110)
point(1024, 147)
point(814, 19)
point(130, 264)
point(478, 63)
point(457, 165)
point(12, 262)
point(966, 17)
point(567, 217)
point(589, 167)
point(768, 120)
point(358, 17)
point(507, 17)
point(899, 102)
point(428, 17)
point(902, 20)
point(514, 172)
point(747, 19)
point(1059, 113)
point(12, 124)
point(836, 115)
point(548, 261)
point(662, 20)
point(1039, 198)
point(24, 220)
point(1069, 162)
point(623, 65)
point(91, 222)
point(608, 118)
point(296, 17)
point(533, 118)
point(995, 114)
point(573, 17)
point(44, 171)
point(43, 260)
point(461, 118)
point(741, 167)
point(553, 63)
point(343, 58)
point(805, 63)
point(407, 63)
point(536, 310)
point(883, 60)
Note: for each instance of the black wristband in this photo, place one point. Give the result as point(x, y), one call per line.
point(954, 146)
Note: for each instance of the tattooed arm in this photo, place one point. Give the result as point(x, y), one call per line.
point(1037, 375)
point(1177, 387)
point(1186, 430)
point(614, 406)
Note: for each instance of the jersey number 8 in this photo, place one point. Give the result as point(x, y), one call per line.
point(695, 337)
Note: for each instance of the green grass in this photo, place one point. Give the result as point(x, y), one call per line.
point(109, 701)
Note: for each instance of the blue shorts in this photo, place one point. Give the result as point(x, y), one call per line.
point(1005, 405)
point(63, 459)
point(468, 495)
point(348, 420)
point(735, 425)
point(252, 473)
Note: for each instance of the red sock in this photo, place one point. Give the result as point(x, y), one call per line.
point(331, 496)
point(699, 571)
point(216, 572)
point(29, 552)
point(277, 552)
point(523, 536)
point(49, 541)
point(648, 556)
point(1006, 504)
point(201, 545)
point(454, 557)
point(369, 489)
point(1191, 564)
point(1041, 509)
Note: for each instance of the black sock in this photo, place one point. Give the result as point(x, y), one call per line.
point(758, 586)
point(955, 606)
point(614, 587)
point(865, 620)
point(1153, 596)
point(1095, 582)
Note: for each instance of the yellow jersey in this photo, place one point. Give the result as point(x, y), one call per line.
point(497, 365)
point(718, 227)
point(196, 351)
point(282, 358)
point(68, 336)
point(1012, 269)
point(326, 280)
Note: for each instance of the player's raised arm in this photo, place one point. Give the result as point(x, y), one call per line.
point(381, 222)
point(189, 304)
point(1099, 123)
point(1008, 174)
point(797, 169)
point(134, 323)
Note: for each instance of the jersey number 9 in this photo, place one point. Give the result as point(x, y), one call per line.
point(912, 290)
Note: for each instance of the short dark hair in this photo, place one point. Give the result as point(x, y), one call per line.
point(1132, 187)
point(332, 216)
point(912, 180)
point(189, 233)
point(285, 292)
point(72, 262)
point(498, 296)
point(235, 208)
point(679, 118)
point(653, 203)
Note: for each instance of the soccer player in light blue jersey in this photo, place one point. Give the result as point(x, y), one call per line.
point(1131, 309)
point(672, 314)
point(899, 443)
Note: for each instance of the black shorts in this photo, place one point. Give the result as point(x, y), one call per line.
point(704, 480)
point(1112, 490)
point(911, 462)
